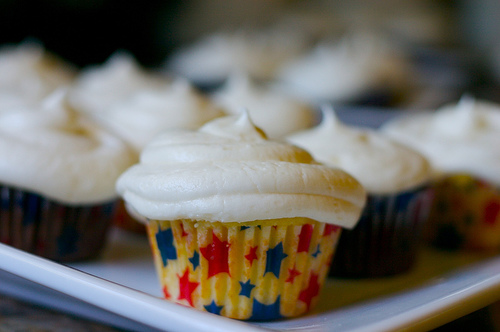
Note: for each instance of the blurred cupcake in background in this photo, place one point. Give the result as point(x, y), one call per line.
point(57, 176)
point(29, 73)
point(275, 112)
point(461, 141)
point(259, 52)
point(136, 105)
point(239, 225)
point(396, 178)
point(360, 68)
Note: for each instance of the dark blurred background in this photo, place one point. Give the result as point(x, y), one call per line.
point(87, 32)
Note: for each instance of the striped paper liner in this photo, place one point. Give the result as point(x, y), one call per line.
point(386, 239)
point(50, 229)
point(247, 272)
point(465, 215)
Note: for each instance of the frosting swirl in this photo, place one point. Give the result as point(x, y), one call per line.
point(344, 70)
point(52, 151)
point(29, 74)
point(229, 172)
point(136, 105)
point(461, 137)
point(379, 163)
point(257, 52)
point(275, 112)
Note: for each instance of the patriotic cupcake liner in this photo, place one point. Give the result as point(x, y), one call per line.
point(243, 271)
point(50, 229)
point(465, 215)
point(386, 239)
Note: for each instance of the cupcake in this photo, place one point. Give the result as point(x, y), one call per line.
point(461, 141)
point(396, 178)
point(274, 112)
point(239, 225)
point(29, 74)
point(57, 176)
point(358, 69)
point(209, 61)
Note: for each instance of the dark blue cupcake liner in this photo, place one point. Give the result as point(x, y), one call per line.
point(50, 229)
point(387, 237)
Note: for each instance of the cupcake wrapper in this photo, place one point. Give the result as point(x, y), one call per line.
point(52, 230)
point(465, 216)
point(245, 272)
point(386, 238)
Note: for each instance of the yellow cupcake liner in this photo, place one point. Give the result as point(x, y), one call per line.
point(248, 271)
point(465, 214)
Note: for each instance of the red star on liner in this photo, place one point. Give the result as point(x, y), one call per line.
point(217, 255)
point(186, 287)
point(183, 234)
point(491, 212)
point(292, 273)
point(305, 238)
point(166, 293)
point(329, 229)
point(252, 254)
point(311, 291)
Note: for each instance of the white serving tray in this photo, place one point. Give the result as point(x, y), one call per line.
point(121, 289)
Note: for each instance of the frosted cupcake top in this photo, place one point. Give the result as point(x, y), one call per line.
point(256, 52)
point(52, 151)
point(136, 105)
point(29, 73)
point(345, 69)
point(97, 88)
point(228, 171)
point(379, 163)
point(276, 113)
point(460, 137)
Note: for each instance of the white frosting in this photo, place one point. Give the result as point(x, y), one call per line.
point(97, 88)
point(136, 105)
point(29, 74)
point(276, 113)
point(379, 163)
point(257, 52)
point(344, 70)
point(229, 172)
point(52, 151)
point(462, 137)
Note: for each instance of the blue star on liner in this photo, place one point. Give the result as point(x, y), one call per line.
point(213, 308)
point(246, 288)
point(242, 228)
point(195, 260)
point(165, 241)
point(317, 252)
point(273, 259)
point(266, 312)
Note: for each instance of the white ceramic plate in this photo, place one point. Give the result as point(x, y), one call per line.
point(121, 289)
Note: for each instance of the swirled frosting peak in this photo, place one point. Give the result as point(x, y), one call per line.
point(228, 171)
point(29, 73)
point(458, 137)
point(381, 164)
point(277, 113)
point(51, 150)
